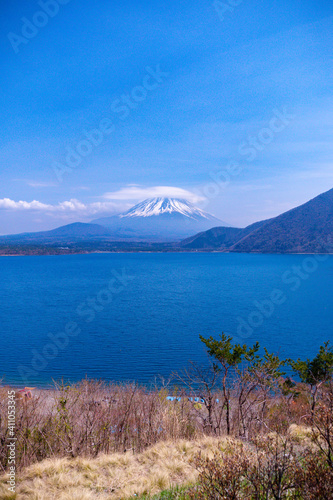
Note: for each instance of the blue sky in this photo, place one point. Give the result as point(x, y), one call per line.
point(104, 104)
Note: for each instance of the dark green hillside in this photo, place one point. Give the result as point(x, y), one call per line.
point(304, 229)
point(308, 229)
point(219, 238)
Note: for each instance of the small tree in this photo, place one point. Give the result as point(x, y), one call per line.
point(228, 356)
point(203, 382)
point(258, 383)
point(315, 372)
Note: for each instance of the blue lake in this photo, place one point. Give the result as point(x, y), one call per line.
point(136, 316)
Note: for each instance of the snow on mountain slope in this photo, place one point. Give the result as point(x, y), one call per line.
point(159, 206)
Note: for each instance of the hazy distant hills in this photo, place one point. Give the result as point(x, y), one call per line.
point(77, 231)
point(307, 228)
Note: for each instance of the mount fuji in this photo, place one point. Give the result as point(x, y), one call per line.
point(160, 219)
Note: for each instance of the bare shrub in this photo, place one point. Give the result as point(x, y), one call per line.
point(268, 472)
point(221, 477)
point(91, 417)
point(315, 478)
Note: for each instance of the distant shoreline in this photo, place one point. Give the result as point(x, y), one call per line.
point(160, 251)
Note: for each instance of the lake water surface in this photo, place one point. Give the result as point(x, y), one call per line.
point(136, 316)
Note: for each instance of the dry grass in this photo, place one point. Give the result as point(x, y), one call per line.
point(301, 433)
point(114, 476)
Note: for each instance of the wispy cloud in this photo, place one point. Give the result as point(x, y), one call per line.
point(136, 192)
point(319, 174)
point(35, 183)
point(38, 184)
point(254, 187)
point(81, 188)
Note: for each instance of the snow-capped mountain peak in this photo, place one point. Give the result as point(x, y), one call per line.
point(160, 219)
point(159, 206)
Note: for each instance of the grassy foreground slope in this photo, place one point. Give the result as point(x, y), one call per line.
point(114, 476)
point(166, 471)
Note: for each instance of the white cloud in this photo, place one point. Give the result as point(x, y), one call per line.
point(8, 204)
point(72, 206)
point(134, 192)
